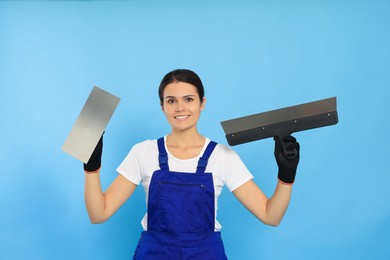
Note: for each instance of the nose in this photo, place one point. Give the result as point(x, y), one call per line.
point(179, 106)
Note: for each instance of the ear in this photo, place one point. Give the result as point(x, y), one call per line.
point(203, 104)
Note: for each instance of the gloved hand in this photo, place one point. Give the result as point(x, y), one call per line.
point(284, 148)
point(95, 161)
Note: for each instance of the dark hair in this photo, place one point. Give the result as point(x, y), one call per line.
point(181, 75)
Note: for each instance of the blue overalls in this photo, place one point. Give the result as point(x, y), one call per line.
point(181, 214)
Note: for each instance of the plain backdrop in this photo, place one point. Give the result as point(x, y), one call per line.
point(253, 56)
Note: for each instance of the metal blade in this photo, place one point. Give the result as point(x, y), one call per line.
point(90, 124)
point(281, 122)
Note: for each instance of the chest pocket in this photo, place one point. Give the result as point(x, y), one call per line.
point(183, 207)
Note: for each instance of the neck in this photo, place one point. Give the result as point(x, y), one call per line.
point(185, 138)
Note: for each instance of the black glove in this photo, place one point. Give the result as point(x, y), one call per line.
point(95, 161)
point(287, 157)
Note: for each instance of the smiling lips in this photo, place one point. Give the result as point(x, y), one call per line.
point(181, 117)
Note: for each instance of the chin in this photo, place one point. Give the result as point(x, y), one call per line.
point(183, 128)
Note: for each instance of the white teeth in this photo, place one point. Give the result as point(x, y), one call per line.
point(181, 117)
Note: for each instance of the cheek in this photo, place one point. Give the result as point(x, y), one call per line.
point(166, 110)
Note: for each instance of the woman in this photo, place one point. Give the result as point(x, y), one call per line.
point(183, 174)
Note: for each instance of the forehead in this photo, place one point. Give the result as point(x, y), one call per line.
point(179, 89)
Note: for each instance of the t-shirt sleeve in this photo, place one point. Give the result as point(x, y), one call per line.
point(236, 173)
point(130, 167)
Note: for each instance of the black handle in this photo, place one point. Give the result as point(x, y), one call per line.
point(289, 153)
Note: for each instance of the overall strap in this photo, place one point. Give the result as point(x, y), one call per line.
point(162, 154)
point(202, 163)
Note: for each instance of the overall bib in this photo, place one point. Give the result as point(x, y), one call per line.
point(181, 214)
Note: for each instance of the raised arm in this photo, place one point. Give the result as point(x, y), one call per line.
point(101, 206)
point(271, 211)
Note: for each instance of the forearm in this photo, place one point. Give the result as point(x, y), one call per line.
point(278, 203)
point(94, 198)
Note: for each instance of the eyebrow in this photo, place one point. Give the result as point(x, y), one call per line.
point(186, 96)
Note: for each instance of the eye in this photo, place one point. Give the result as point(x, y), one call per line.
point(188, 99)
point(170, 101)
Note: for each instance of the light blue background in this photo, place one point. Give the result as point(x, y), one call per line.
point(252, 56)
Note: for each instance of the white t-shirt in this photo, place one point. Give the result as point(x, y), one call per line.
point(225, 165)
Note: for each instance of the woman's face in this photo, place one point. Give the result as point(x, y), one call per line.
point(182, 105)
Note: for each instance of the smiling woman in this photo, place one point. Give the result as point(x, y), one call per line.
point(182, 106)
point(183, 174)
point(252, 56)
